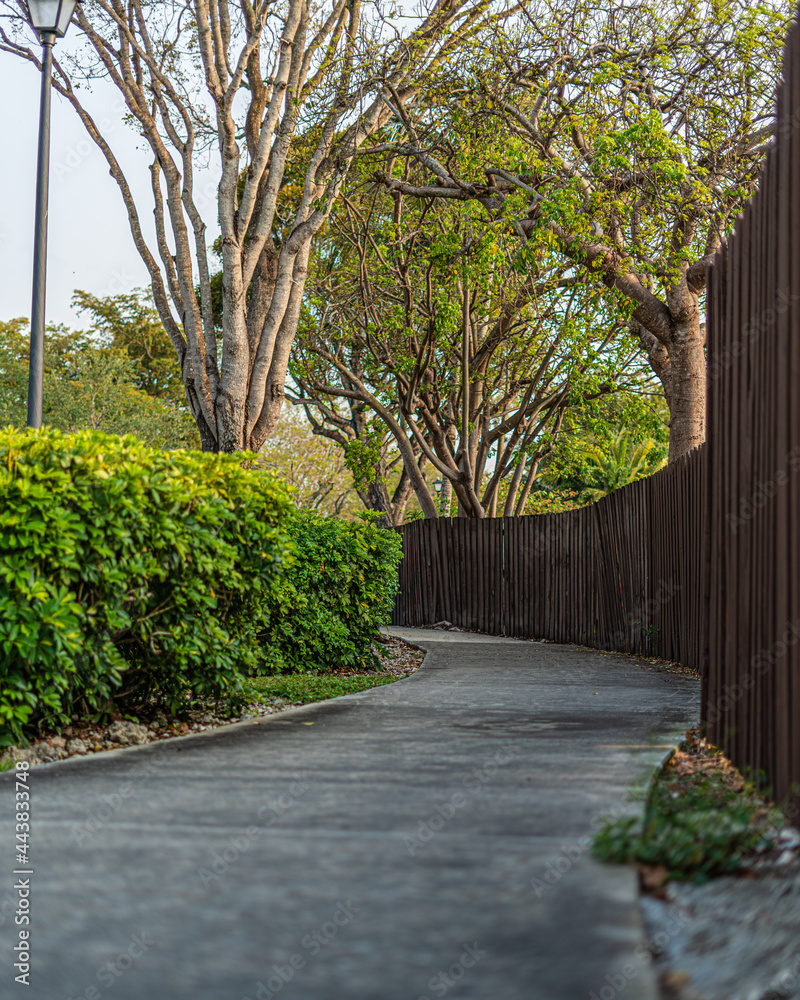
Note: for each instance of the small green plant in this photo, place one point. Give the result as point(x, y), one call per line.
point(698, 823)
point(652, 634)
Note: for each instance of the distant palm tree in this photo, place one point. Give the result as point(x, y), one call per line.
point(611, 464)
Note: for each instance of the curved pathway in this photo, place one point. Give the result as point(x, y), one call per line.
point(421, 840)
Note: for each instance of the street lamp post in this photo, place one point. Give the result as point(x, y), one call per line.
point(438, 485)
point(50, 19)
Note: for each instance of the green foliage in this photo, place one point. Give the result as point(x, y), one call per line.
point(391, 279)
point(611, 465)
point(623, 144)
point(552, 501)
point(607, 445)
point(13, 372)
point(306, 688)
point(335, 598)
point(96, 389)
point(128, 573)
point(314, 465)
point(362, 459)
point(92, 384)
point(697, 827)
point(129, 325)
point(629, 164)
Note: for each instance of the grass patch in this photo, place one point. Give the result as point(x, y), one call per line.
point(306, 688)
point(701, 819)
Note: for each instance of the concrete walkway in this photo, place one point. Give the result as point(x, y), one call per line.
point(420, 840)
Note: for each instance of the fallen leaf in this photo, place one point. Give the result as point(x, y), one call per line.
point(653, 876)
point(674, 982)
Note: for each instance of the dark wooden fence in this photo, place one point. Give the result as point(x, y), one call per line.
point(701, 562)
point(618, 575)
point(752, 692)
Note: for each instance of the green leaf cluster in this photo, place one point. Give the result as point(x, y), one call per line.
point(129, 325)
point(608, 444)
point(363, 460)
point(129, 574)
point(339, 591)
point(96, 381)
point(697, 827)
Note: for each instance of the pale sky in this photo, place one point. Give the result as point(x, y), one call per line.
point(90, 246)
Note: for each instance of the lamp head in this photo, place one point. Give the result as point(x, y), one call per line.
point(51, 17)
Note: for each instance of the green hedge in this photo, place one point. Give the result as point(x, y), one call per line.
point(340, 590)
point(129, 573)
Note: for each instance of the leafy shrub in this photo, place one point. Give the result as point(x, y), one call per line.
point(696, 826)
point(128, 572)
point(340, 590)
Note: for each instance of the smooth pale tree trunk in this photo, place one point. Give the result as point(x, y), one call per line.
point(284, 89)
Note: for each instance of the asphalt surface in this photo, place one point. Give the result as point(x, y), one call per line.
point(420, 840)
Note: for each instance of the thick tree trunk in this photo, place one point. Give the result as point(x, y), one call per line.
point(680, 365)
point(469, 504)
point(402, 494)
point(208, 441)
point(375, 496)
point(687, 424)
point(673, 338)
point(687, 364)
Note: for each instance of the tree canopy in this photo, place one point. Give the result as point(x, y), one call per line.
point(453, 229)
point(275, 100)
point(623, 139)
point(456, 341)
point(90, 382)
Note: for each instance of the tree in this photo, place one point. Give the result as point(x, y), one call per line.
point(130, 324)
point(379, 474)
point(438, 325)
point(88, 383)
point(608, 444)
point(315, 467)
point(13, 372)
point(611, 465)
point(273, 94)
point(628, 137)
